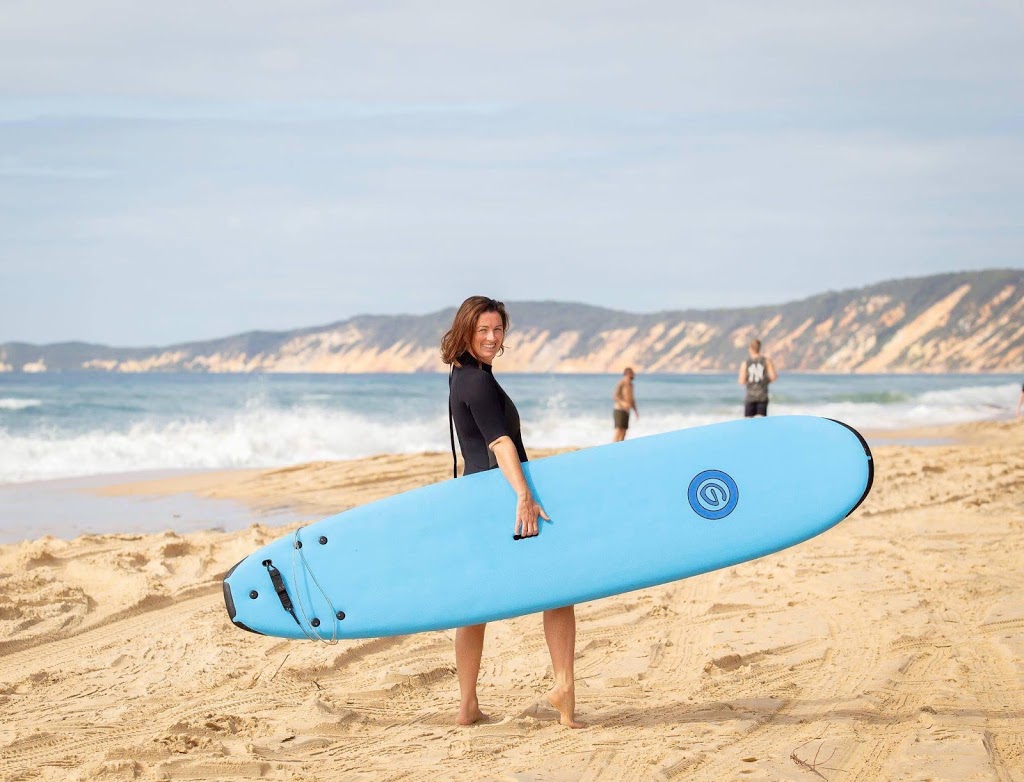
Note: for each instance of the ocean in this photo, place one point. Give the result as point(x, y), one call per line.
point(56, 426)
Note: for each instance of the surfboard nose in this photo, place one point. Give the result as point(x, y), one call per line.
point(871, 464)
point(229, 601)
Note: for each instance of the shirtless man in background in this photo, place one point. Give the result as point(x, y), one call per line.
point(624, 402)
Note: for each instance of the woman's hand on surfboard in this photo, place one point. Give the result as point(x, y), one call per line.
point(527, 512)
point(527, 509)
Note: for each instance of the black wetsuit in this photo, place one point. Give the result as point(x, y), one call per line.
point(482, 412)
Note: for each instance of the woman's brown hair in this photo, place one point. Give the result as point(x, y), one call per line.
point(460, 335)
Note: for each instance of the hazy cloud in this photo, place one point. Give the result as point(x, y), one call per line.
point(171, 172)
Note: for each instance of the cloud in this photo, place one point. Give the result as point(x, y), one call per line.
point(297, 163)
point(680, 55)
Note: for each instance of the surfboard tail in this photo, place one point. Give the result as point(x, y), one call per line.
point(229, 601)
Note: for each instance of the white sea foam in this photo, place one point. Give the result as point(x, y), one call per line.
point(995, 397)
point(255, 437)
point(554, 430)
point(259, 434)
point(18, 404)
point(930, 408)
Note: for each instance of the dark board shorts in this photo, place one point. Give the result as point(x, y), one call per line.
point(750, 409)
point(621, 419)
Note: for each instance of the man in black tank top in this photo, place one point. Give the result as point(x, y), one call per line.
point(756, 373)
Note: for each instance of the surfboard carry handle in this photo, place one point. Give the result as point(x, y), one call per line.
point(282, 593)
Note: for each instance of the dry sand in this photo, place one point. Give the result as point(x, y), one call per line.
point(889, 648)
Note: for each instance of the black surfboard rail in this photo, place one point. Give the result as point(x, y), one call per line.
point(229, 601)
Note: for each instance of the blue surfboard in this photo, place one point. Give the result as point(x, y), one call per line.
point(624, 516)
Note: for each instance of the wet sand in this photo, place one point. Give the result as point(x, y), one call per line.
point(889, 648)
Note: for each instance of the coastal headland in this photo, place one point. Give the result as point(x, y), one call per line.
point(959, 322)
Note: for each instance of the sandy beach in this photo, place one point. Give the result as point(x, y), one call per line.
point(889, 648)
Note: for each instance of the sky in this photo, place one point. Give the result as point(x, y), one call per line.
point(182, 171)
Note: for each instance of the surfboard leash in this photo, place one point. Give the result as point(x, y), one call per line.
point(289, 606)
point(451, 424)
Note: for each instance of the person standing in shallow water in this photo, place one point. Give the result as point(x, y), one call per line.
point(756, 373)
point(624, 400)
point(488, 425)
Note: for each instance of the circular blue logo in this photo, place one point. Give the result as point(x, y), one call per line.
point(713, 494)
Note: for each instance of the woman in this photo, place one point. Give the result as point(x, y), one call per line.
point(489, 436)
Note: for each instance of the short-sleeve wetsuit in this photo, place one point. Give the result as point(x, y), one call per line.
point(482, 412)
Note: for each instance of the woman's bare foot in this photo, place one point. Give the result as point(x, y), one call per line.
point(564, 701)
point(469, 713)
